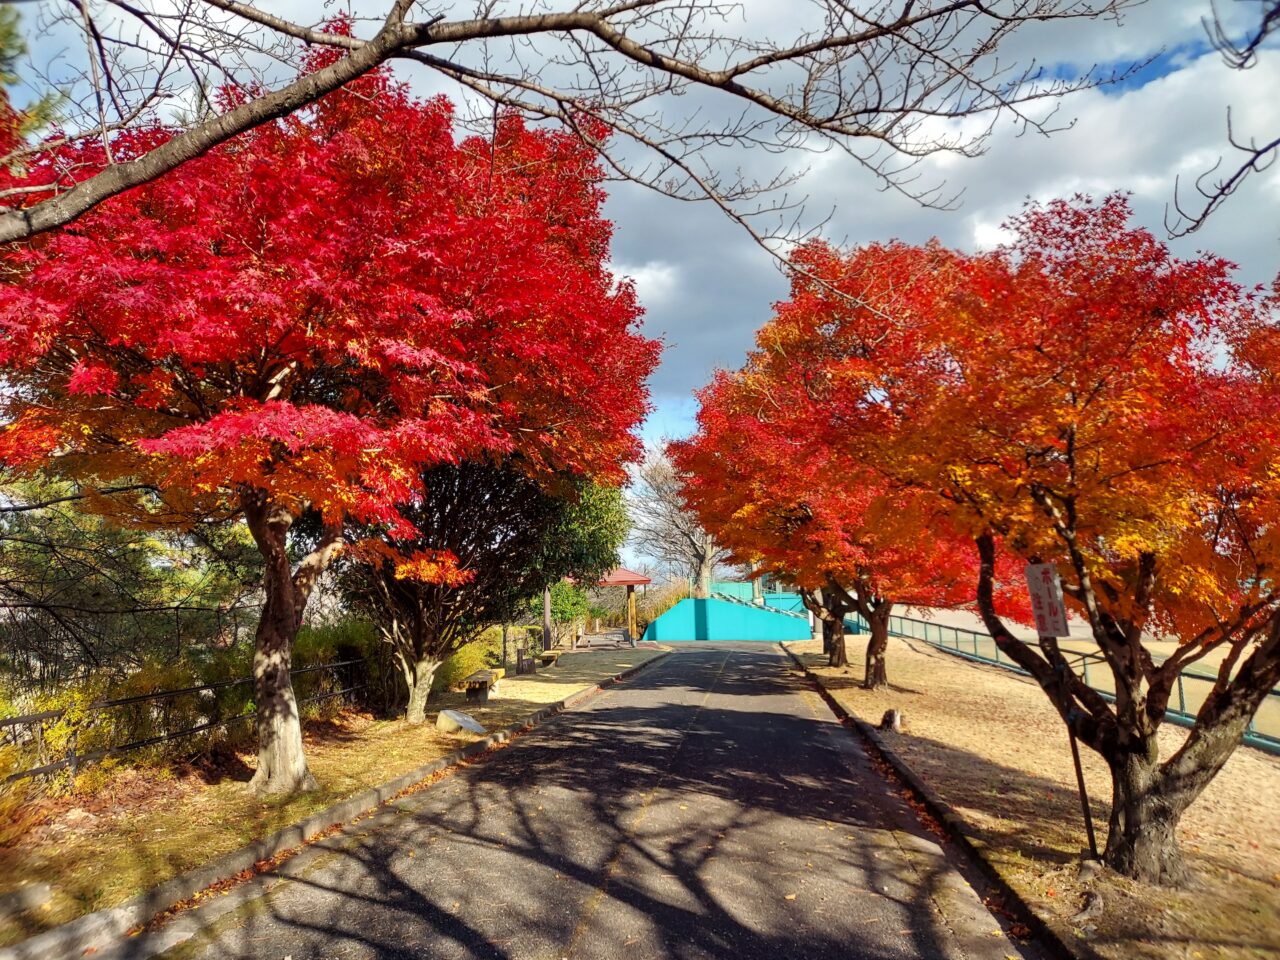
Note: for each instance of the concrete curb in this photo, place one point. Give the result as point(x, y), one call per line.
point(957, 828)
point(95, 932)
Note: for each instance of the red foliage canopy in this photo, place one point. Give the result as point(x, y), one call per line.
point(324, 306)
point(307, 317)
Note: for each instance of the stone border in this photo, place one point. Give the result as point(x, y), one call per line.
point(956, 826)
point(95, 932)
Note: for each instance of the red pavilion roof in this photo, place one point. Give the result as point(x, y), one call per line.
point(622, 577)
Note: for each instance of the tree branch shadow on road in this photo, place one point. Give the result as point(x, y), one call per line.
point(591, 836)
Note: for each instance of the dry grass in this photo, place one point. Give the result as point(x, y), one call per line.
point(989, 743)
point(140, 827)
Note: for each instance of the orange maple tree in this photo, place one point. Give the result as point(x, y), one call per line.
point(1110, 409)
point(782, 468)
point(1079, 398)
point(300, 322)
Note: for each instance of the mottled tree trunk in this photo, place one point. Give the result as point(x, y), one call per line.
point(1148, 797)
point(1142, 840)
point(282, 765)
point(419, 678)
point(877, 674)
point(702, 584)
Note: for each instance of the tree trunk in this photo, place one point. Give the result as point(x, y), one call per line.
point(282, 766)
point(1148, 798)
point(424, 672)
point(546, 618)
point(833, 642)
point(702, 586)
point(1142, 841)
point(877, 674)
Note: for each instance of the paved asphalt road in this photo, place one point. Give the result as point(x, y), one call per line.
point(708, 808)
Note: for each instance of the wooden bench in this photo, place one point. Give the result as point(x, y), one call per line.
point(549, 657)
point(482, 683)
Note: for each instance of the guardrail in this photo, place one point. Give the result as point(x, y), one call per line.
point(30, 730)
point(975, 645)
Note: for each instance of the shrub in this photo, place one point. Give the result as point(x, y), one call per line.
point(373, 682)
point(15, 812)
point(480, 654)
point(88, 730)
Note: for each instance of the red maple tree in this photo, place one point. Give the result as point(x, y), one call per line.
point(302, 320)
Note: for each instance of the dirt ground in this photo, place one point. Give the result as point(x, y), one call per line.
point(134, 828)
point(990, 744)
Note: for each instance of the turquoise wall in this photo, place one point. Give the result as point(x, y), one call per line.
point(786, 601)
point(725, 620)
point(732, 588)
point(742, 591)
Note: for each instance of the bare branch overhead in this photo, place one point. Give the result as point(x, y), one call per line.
point(664, 529)
point(884, 82)
point(1252, 154)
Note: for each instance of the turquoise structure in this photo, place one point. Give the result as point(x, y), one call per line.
point(723, 619)
point(786, 601)
point(737, 589)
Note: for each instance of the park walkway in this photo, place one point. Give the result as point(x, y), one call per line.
point(709, 808)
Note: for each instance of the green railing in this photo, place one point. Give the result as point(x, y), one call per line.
point(1263, 731)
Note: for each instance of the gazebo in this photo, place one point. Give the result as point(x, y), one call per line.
point(622, 577)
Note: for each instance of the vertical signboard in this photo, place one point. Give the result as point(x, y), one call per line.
point(1046, 600)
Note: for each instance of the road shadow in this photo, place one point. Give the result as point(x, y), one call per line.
point(645, 826)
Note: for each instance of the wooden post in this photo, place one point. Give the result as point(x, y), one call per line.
point(546, 618)
point(631, 613)
point(504, 646)
point(1084, 792)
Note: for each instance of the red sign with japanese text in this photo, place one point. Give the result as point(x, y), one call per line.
point(1046, 600)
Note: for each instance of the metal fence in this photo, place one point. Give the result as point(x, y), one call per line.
point(1192, 689)
point(30, 732)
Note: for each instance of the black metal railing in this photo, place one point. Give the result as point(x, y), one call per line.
point(1263, 731)
point(30, 731)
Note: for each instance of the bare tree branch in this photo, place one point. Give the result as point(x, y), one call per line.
point(1213, 188)
point(885, 85)
point(664, 529)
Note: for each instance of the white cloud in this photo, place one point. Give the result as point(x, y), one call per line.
point(657, 282)
point(988, 234)
point(1138, 140)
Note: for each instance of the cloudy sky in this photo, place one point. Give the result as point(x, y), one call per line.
point(707, 287)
